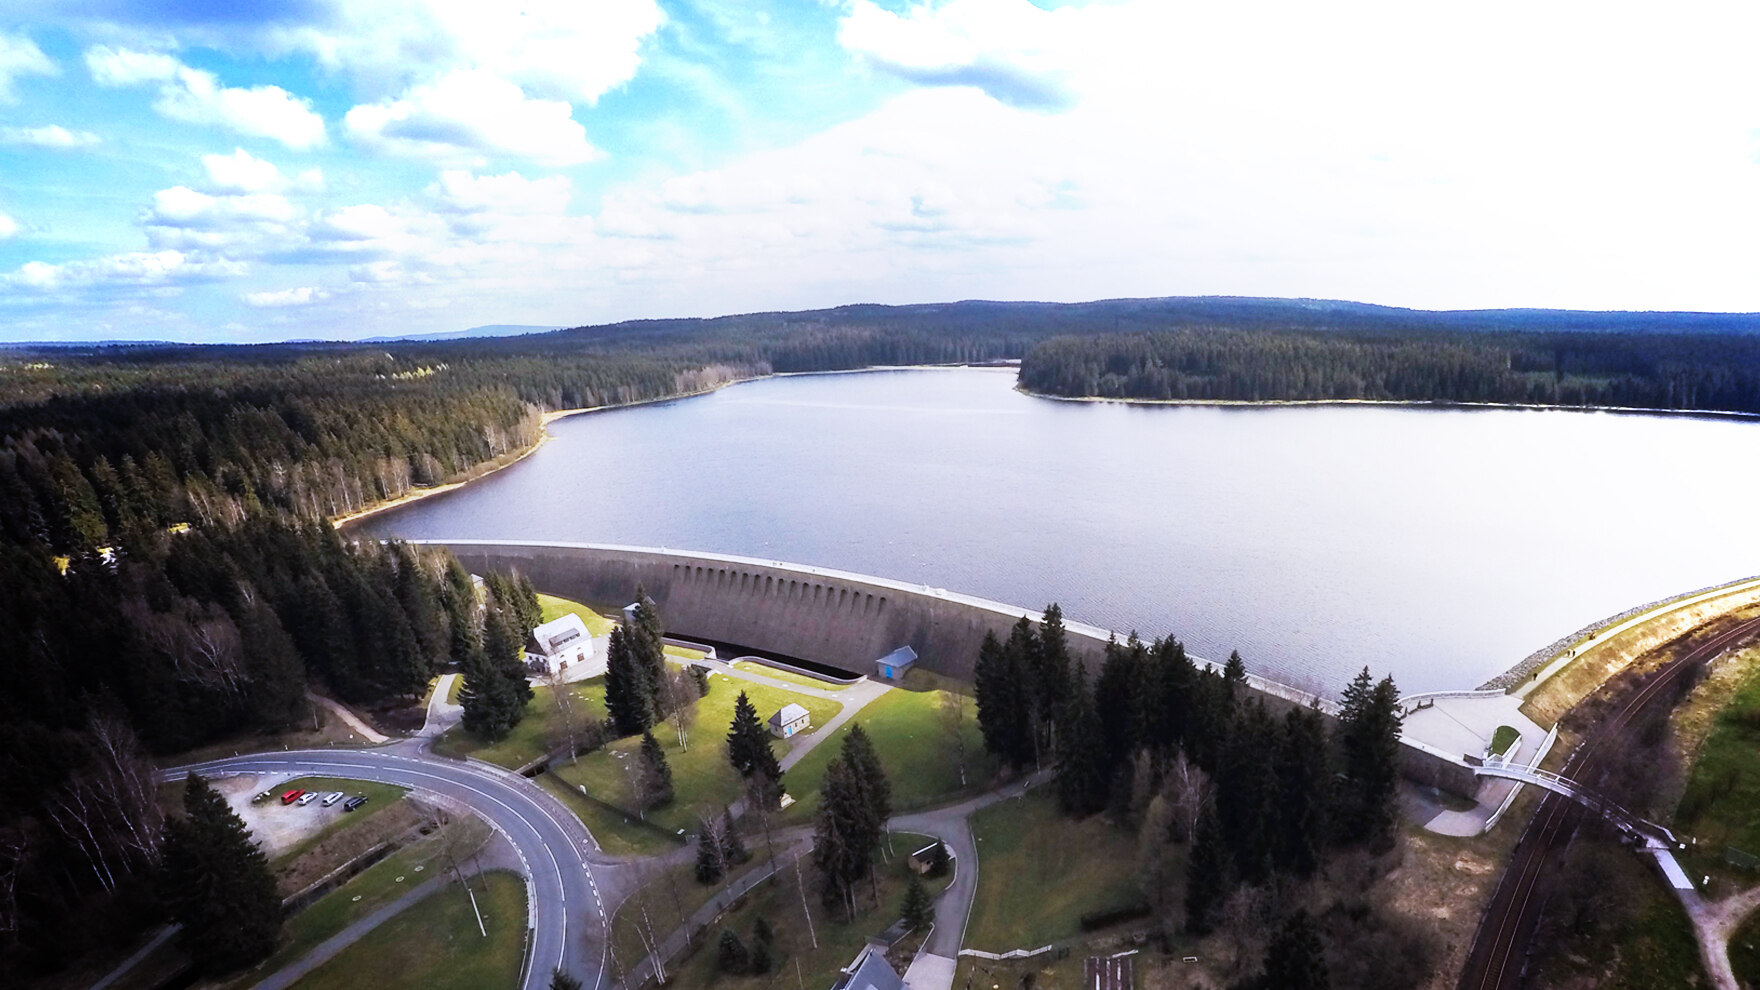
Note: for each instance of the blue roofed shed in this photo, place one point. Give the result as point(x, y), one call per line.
point(893, 665)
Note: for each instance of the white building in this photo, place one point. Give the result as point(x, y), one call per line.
point(563, 646)
point(790, 720)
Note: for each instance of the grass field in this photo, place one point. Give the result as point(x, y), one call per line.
point(786, 676)
point(555, 608)
point(1503, 739)
point(1643, 943)
point(617, 833)
point(914, 748)
point(1039, 872)
point(373, 888)
point(779, 901)
point(533, 736)
point(701, 777)
point(1721, 803)
point(379, 797)
point(1744, 951)
point(436, 945)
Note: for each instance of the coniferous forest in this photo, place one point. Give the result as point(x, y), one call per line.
point(170, 577)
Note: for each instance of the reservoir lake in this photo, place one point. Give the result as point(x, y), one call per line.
point(1440, 545)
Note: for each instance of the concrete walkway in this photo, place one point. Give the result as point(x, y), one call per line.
point(354, 722)
point(1713, 924)
point(1464, 726)
point(442, 714)
point(163, 936)
point(331, 947)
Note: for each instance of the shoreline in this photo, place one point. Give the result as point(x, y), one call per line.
point(1401, 403)
point(552, 415)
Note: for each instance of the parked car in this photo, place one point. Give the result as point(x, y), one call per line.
point(355, 802)
point(307, 797)
point(263, 796)
point(291, 796)
point(333, 797)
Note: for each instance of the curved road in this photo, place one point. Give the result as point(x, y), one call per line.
point(567, 909)
point(1500, 950)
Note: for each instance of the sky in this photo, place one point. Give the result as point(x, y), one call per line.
point(209, 170)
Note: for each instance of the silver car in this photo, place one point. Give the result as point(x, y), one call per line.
point(332, 797)
point(307, 798)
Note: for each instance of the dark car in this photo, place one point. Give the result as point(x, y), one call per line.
point(354, 802)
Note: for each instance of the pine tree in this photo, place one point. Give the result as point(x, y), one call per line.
point(939, 859)
point(647, 647)
point(1369, 722)
point(1051, 680)
point(1004, 698)
point(1246, 791)
point(217, 883)
point(858, 748)
point(1083, 776)
point(487, 699)
point(1302, 781)
point(918, 909)
point(730, 953)
point(504, 646)
point(1295, 959)
point(748, 749)
point(1234, 678)
point(733, 847)
point(626, 696)
point(763, 954)
point(1209, 875)
point(659, 773)
point(844, 837)
point(711, 865)
point(562, 981)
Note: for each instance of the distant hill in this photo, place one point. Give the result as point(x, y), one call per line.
point(487, 330)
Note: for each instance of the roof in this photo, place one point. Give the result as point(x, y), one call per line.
point(559, 634)
point(900, 657)
point(790, 712)
point(869, 972)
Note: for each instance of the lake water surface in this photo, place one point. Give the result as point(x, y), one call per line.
point(1440, 545)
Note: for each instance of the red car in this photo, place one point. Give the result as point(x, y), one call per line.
point(292, 796)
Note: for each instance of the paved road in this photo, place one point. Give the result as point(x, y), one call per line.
point(1500, 949)
point(442, 714)
point(569, 883)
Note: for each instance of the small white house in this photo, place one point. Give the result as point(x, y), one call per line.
point(790, 720)
point(560, 644)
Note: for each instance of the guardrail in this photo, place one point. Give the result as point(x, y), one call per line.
point(1011, 954)
point(1510, 798)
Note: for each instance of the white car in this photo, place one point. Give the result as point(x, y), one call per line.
point(332, 797)
point(307, 798)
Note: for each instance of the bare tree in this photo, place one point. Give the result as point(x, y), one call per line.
point(952, 713)
point(1188, 789)
point(681, 696)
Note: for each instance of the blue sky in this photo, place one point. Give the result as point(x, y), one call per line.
point(205, 170)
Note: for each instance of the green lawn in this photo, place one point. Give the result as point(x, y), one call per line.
point(436, 945)
point(555, 608)
point(701, 777)
point(379, 797)
point(779, 901)
point(617, 833)
point(1721, 802)
point(373, 888)
point(1503, 739)
point(788, 677)
point(1039, 872)
point(533, 736)
point(914, 747)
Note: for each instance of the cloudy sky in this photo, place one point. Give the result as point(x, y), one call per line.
point(203, 170)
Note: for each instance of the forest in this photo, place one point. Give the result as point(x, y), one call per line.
point(1638, 370)
point(171, 577)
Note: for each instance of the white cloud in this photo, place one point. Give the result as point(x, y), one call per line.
point(462, 192)
point(8, 227)
point(304, 295)
point(1010, 49)
point(20, 56)
point(241, 172)
point(468, 115)
point(49, 136)
point(195, 96)
point(558, 48)
point(156, 268)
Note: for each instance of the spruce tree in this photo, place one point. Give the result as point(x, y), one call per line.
point(1295, 959)
point(763, 954)
point(730, 953)
point(711, 866)
point(733, 847)
point(1369, 722)
point(1234, 678)
point(647, 646)
point(748, 749)
point(918, 909)
point(844, 840)
point(1301, 822)
point(1209, 875)
point(1246, 791)
point(1083, 777)
point(1051, 680)
point(217, 883)
point(858, 748)
point(627, 699)
point(939, 859)
point(487, 699)
point(505, 647)
point(658, 772)
point(562, 981)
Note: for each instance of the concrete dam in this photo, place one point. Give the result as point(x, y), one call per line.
point(829, 616)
